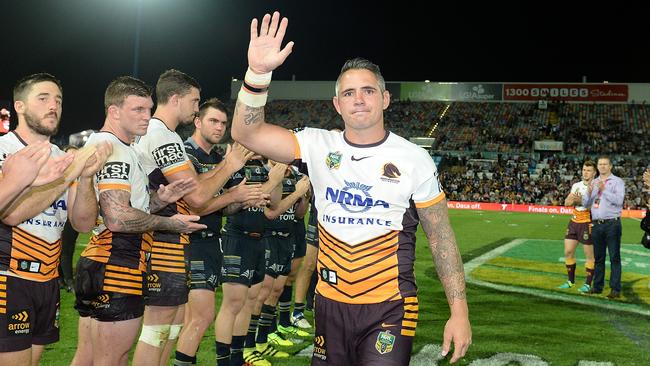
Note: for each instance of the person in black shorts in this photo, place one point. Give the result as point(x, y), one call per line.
point(205, 245)
point(110, 274)
point(306, 278)
point(372, 189)
point(33, 219)
point(161, 153)
point(278, 236)
point(242, 269)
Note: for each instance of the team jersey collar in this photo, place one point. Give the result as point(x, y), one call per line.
point(367, 145)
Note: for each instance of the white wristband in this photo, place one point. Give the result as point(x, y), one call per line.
point(257, 80)
point(252, 99)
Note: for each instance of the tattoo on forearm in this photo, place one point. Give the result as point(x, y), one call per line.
point(253, 115)
point(156, 204)
point(117, 212)
point(442, 241)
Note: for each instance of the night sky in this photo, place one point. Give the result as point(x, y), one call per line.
point(88, 43)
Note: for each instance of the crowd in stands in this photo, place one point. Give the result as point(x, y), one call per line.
point(508, 129)
point(521, 180)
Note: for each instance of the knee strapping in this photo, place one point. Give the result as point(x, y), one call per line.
point(174, 331)
point(155, 335)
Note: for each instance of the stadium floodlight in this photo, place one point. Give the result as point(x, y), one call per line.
point(79, 139)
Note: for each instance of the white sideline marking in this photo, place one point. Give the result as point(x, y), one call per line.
point(583, 300)
point(502, 359)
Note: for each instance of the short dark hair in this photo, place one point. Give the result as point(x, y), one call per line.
point(119, 89)
point(212, 103)
point(173, 82)
point(359, 63)
point(24, 85)
point(590, 163)
point(605, 157)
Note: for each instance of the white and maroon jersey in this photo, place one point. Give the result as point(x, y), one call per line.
point(581, 214)
point(122, 171)
point(32, 249)
point(366, 197)
point(162, 153)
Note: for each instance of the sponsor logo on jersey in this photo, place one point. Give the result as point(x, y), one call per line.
point(115, 170)
point(153, 283)
point(390, 173)
point(168, 155)
point(355, 197)
point(385, 342)
point(319, 347)
point(359, 159)
point(56, 205)
point(18, 323)
point(333, 160)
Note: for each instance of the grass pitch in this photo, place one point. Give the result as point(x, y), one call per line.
point(557, 331)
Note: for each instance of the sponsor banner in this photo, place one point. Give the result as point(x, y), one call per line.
point(548, 145)
point(567, 92)
point(511, 207)
point(425, 91)
point(468, 92)
point(476, 92)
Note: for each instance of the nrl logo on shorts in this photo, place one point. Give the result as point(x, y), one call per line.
point(333, 160)
point(385, 342)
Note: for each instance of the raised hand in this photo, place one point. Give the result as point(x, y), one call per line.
point(303, 185)
point(186, 224)
point(96, 161)
point(277, 171)
point(22, 168)
point(264, 50)
point(247, 192)
point(176, 190)
point(237, 156)
point(53, 169)
point(77, 166)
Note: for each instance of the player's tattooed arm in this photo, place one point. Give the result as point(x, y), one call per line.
point(442, 242)
point(250, 115)
point(119, 216)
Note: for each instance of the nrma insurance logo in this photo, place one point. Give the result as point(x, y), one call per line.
point(355, 197)
point(56, 205)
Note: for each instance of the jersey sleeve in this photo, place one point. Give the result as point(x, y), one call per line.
point(304, 139)
point(167, 151)
point(116, 172)
point(428, 190)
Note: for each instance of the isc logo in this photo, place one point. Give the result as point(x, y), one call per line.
point(115, 170)
point(168, 154)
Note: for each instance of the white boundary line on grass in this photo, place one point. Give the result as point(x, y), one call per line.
point(583, 300)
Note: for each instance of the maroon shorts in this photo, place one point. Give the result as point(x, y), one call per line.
point(580, 232)
point(29, 313)
point(368, 335)
point(105, 306)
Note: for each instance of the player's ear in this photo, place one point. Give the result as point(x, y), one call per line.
point(386, 96)
point(19, 106)
point(335, 101)
point(113, 111)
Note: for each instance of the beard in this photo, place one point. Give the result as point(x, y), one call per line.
point(211, 139)
point(37, 126)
